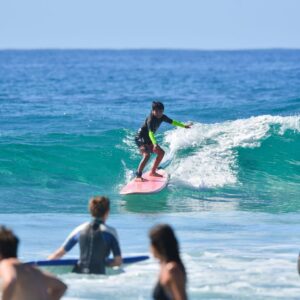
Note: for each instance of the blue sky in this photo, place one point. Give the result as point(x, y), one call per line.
point(189, 24)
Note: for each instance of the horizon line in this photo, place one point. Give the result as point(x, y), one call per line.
point(146, 49)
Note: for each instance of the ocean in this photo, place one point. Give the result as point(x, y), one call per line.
point(67, 124)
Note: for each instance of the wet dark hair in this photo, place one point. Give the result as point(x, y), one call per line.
point(163, 239)
point(8, 243)
point(99, 206)
point(157, 105)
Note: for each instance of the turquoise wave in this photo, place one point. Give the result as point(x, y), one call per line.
point(58, 172)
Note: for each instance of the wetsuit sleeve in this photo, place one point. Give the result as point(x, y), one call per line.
point(73, 238)
point(176, 123)
point(115, 247)
point(114, 244)
point(167, 119)
point(152, 137)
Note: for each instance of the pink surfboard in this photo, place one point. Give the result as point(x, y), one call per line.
point(151, 185)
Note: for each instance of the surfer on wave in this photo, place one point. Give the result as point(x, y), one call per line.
point(146, 141)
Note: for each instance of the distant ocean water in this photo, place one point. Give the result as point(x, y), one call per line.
point(67, 126)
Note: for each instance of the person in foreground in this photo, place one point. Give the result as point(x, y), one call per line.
point(22, 281)
point(96, 241)
point(146, 141)
point(171, 284)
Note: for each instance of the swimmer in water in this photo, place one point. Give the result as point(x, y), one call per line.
point(96, 241)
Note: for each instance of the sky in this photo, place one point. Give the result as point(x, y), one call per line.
point(147, 24)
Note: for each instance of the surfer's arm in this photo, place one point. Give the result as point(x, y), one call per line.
point(60, 252)
point(178, 124)
point(116, 262)
point(116, 250)
point(68, 244)
point(152, 137)
point(174, 122)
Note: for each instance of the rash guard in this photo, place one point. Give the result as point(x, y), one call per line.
point(150, 126)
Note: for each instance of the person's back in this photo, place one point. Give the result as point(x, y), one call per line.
point(92, 250)
point(22, 281)
point(96, 241)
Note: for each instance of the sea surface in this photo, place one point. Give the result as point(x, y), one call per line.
point(67, 124)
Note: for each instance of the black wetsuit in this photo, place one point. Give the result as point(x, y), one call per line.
point(159, 293)
point(92, 250)
point(151, 124)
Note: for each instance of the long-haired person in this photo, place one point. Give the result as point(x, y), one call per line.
point(172, 280)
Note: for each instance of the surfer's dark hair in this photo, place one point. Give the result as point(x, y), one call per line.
point(164, 241)
point(99, 206)
point(8, 243)
point(156, 105)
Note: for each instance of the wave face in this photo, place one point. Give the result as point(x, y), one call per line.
point(216, 155)
point(68, 118)
point(67, 126)
point(254, 160)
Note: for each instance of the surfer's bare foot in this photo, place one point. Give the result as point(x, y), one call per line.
point(155, 174)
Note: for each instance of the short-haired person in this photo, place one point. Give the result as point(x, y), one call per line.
point(146, 142)
point(22, 281)
point(96, 240)
point(171, 284)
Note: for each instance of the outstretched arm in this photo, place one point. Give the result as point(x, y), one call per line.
point(179, 124)
point(68, 244)
point(57, 254)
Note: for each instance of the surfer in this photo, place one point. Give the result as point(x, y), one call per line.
point(146, 141)
point(22, 281)
point(96, 241)
point(171, 284)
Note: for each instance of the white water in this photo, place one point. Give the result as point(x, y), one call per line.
point(228, 255)
point(212, 158)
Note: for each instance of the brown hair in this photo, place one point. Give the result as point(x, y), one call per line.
point(163, 239)
point(8, 243)
point(99, 206)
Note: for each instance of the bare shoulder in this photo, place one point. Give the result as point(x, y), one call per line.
point(173, 267)
point(173, 270)
point(8, 268)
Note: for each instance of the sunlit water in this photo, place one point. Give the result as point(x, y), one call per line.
point(67, 124)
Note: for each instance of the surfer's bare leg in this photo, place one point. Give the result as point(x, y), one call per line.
point(143, 163)
point(160, 155)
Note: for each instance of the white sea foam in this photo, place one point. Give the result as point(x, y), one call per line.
point(212, 162)
point(228, 255)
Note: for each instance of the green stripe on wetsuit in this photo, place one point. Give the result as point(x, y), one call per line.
point(152, 137)
point(176, 123)
point(151, 133)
